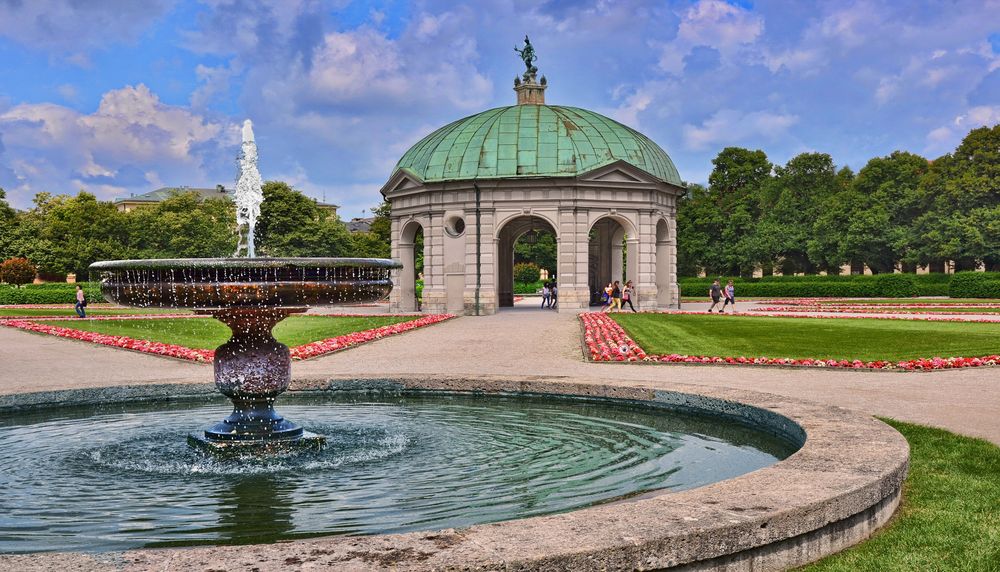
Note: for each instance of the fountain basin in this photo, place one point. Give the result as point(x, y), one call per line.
point(844, 483)
point(211, 283)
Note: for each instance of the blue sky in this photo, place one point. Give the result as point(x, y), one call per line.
point(120, 97)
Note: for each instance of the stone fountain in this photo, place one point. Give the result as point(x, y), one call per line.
point(250, 295)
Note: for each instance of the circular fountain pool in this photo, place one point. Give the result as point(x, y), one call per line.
point(122, 476)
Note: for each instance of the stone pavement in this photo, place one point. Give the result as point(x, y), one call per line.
point(528, 341)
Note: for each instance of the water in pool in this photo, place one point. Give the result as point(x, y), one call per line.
point(122, 476)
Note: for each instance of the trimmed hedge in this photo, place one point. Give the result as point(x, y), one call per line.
point(843, 286)
point(981, 285)
point(49, 293)
point(975, 285)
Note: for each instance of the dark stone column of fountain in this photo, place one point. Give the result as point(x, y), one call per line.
point(252, 369)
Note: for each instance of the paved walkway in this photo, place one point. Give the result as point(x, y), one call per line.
point(529, 341)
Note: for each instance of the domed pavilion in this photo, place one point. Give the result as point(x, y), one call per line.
point(473, 187)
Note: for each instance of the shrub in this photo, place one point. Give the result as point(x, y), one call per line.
point(975, 285)
point(526, 272)
point(17, 271)
point(527, 287)
point(893, 286)
point(49, 293)
point(814, 286)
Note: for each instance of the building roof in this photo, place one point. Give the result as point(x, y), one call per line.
point(533, 141)
point(164, 193)
point(360, 224)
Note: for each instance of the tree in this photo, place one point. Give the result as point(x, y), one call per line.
point(17, 271)
point(540, 250)
point(8, 223)
point(792, 203)
point(699, 223)
point(292, 224)
point(526, 272)
point(182, 226)
point(64, 234)
point(735, 185)
point(376, 242)
point(883, 203)
point(958, 199)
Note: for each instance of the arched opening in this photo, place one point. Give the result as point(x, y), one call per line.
point(613, 255)
point(411, 255)
point(524, 239)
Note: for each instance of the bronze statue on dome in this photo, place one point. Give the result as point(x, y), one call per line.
point(528, 56)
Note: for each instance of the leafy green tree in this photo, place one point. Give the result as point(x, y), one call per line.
point(526, 272)
point(376, 242)
point(794, 201)
point(699, 224)
point(292, 224)
point(64, 234)
point(959, 198)
point(736, 183)
point(182, 226)
point(540, 250)
point(882, 205)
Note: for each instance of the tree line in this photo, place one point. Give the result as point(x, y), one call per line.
point(64, 234)
point(899, 211)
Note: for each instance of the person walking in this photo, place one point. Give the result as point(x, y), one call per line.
point(616, 297)
point(546, 296)
point(715, 293)
point(81, 302)
point(730, 294)
point(628, 292)
point(606, 298)
point(554, 299)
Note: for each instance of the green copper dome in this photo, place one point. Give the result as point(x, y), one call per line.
point(533, 141)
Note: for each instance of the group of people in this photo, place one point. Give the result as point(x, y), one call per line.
point(717, 293)
point(550, 295)
point(616, 296)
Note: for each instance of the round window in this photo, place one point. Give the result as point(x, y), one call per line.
point(455, 226)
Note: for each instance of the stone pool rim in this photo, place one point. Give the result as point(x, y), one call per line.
point(841, 485)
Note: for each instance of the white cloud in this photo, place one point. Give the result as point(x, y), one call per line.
point(69, 28)
point(713, 23)
point(946, 137)
point(729, 126)
point(129, 141)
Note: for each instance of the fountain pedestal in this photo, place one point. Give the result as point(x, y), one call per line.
point(252, 369)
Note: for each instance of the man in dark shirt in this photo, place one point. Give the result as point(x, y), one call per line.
point(715, 292)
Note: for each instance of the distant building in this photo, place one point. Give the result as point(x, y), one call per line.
point(360, 224)
point(126, 204)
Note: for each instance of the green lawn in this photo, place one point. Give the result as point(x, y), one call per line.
point(91, 311)
point(208, 333)
point(950, 516)
point(867, 339)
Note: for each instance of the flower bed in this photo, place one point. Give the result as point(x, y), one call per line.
point(144, 346)
point(305, 351)
point(322, 347)
point(606, 340)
